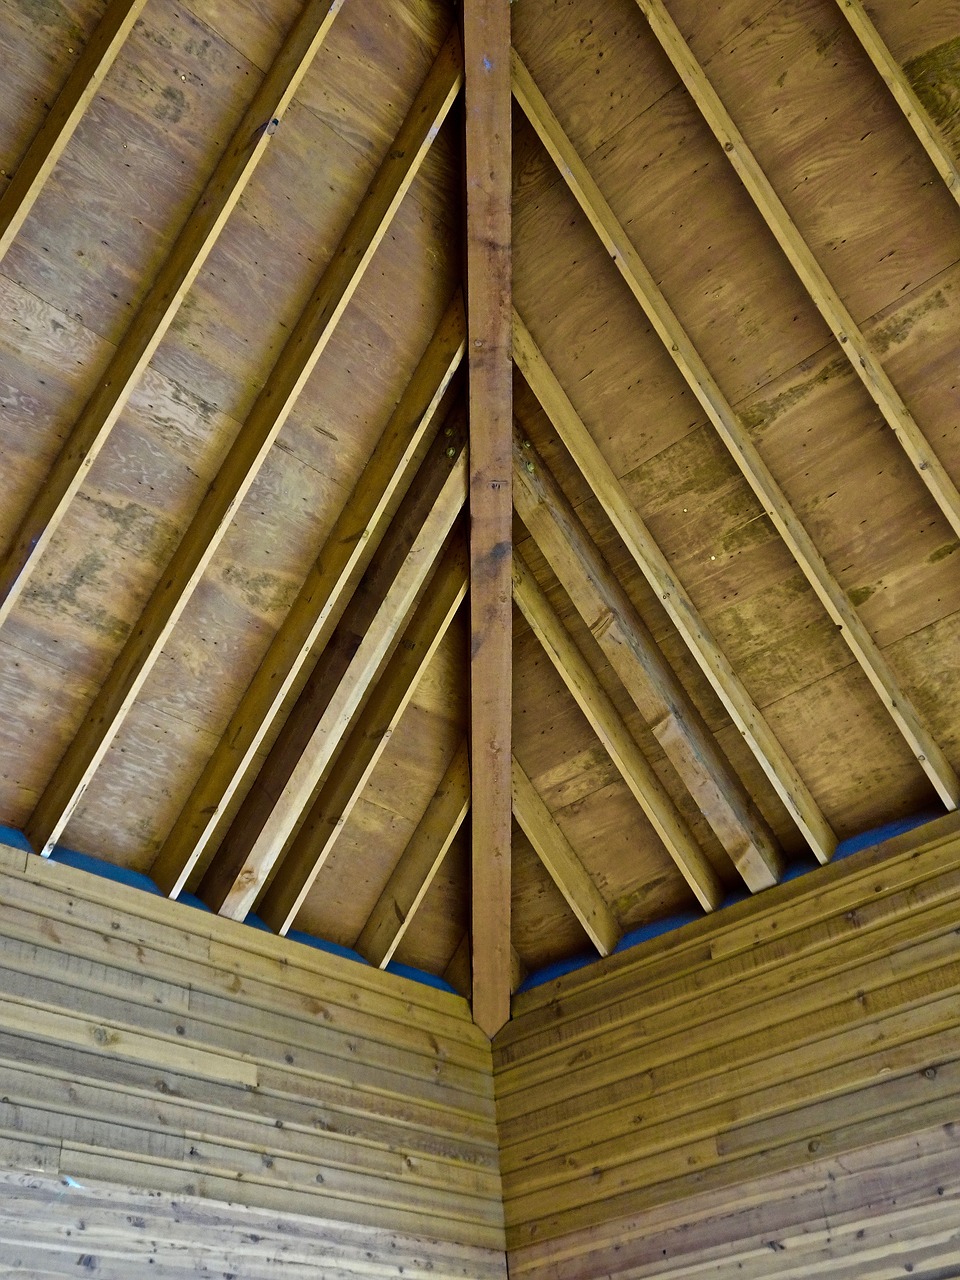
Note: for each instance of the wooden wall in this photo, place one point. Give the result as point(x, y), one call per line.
point(148, 1046)
point(781, 1078)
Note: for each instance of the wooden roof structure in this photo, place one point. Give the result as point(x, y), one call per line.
point(479, 481)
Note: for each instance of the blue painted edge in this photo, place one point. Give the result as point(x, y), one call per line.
point(801, 867)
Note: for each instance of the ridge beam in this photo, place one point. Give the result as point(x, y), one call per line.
point(737, 441)
point(53, 137)
point(367, 741)
point(296, 362)
point(678, 605)
point(621, 746)
point(486, 42)
point(563, 863)
point(321, 601)
point(419, 863)
point(854, 343)
point(233, 891)
point(904, 94)
point(136, 348)
point(657, 693)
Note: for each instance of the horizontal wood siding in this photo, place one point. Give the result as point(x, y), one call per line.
point(148, 1046)
point(759, 1048)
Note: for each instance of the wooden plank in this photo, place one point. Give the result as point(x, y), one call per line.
point(661, 700)
point(158, 309)
point(53, 136)
point(927, 751)
point(855, 346)
point(904, 95)
point(413, 875)
point(321, 600)
point(297, 360)
point(611, 729)
point(239, 891)
point(486, 39)
point(681, 610)
point(366, 742)
point(561, 861)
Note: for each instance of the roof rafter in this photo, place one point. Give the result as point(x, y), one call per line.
point(293, 367)
point(609, 726)
point(233, 889)
point(53, 137)
point(367, 741)
point(322, 598)
point(563, 863)
point(681, 610)
point(486, 40)
point(903, 92)
point(737, 440)
point(644, 672)
point(814, 279)
point(136, 348)
point(419, 863)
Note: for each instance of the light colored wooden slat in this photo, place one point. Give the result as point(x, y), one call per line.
point(681, 610)
point(610, 728)
point(321, 600)
point(418, 865)
point(240, 891)
point(53, 137)
point(366, 743)
point(814, 279)
point(903, 92)
point(658, 695)
point(296, 362)
point(563, 864)
point(721, 414)
point(158, 309)
point(486, 37)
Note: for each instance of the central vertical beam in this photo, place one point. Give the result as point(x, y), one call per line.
point(486, 55)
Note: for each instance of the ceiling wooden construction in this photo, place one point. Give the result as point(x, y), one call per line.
point(259, 414)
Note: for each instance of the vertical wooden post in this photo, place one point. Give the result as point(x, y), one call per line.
point(486, 51)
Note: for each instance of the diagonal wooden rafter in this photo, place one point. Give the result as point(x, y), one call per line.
point(366, 742)
point(232, 890)
point(53, 136)
point(681, 610)
point(321, 600)
point(903, 93)
point(814, 279)
point(562, 863)
point(644, 672)
point(725, 421)
point(610, 728)
point(419, 863)
point(249, 451)
point(486, 41)
point(158, 309)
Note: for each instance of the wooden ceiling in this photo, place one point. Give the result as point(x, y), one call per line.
point(242, 399)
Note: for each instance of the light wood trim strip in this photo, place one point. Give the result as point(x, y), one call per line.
point(681, 610)
point(610, 728)
point(296, 362)
point(658, 695)
point(321, 600)
point(721, 414)
point(239, 893)
point(486, 38)
point(366, 743)
point(158, 309)
point(562, 863)
point(53, 136)
point(903, 93)
point(419, 863)
point(826, 299)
